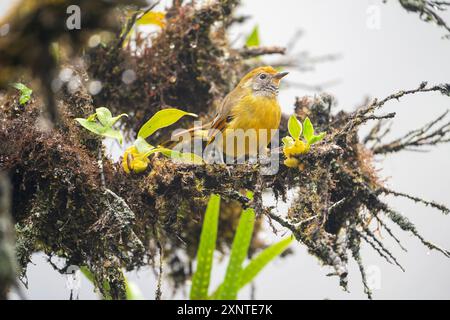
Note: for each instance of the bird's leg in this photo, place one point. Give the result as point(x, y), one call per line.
point(214, 156)
point(264, 156)
point(229, 163)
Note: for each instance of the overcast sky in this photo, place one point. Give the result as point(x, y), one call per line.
point(377, 57)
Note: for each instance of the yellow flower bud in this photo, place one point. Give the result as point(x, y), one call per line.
point(287, 151)
point(299, 147)
point(291, 162)
point(139, 164)
point(134, 161)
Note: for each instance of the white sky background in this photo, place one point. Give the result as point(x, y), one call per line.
point(399, 55)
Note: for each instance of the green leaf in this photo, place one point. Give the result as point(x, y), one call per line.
point(250, 194)
point(208, 237)
point(317, 138)
point(104, 116)
point(308, 132)
point(92, 117)
point(90, 276)
point(288, 141)
point(230, 286)
point(92, 126)
point(104, 126)
point(97, 128)
point(253, 38)
point(25, 92)
point(185, 157)
point(261, 260)
point(294, 127)
point(116, 118)
point(24, 99)
point(21, 87)
point(87, 273)
point(162, 119)
point(308, 129)
point(115, 134)
point(143, 146)
point(132, 290)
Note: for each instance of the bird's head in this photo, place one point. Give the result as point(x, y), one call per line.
point(263, 81)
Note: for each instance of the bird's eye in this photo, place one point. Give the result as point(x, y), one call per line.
point(263, 76)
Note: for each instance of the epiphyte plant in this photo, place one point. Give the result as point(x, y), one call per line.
point(294, 145)
point(237, 276)
point(135, 157)
point(101, 123)
point(25, 93)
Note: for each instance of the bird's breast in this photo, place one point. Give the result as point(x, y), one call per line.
point(256, 112)
point(251, 113)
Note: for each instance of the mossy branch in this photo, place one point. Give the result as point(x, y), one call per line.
point(101, 217)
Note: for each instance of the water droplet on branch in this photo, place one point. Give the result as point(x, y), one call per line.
point(95, 87)
point(128, 76)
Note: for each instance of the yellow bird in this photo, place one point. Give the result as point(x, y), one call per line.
point(252, 104)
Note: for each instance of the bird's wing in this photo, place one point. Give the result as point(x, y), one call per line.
point(224, 113)
point(202, 130)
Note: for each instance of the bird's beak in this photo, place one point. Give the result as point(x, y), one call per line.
point(280, 75)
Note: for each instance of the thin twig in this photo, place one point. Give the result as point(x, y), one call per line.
point(158, 293)
point(360, 116)
point(132, 20)
point(355, 250)
point(302, 61)
point(389, 231)
point(259, 51)
point(433, 204)
point(406, 225)
point(375, 134)
point(382, 117)
point(294, 39)
point(425, 8)
point(424, 136)
point(382, 247)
